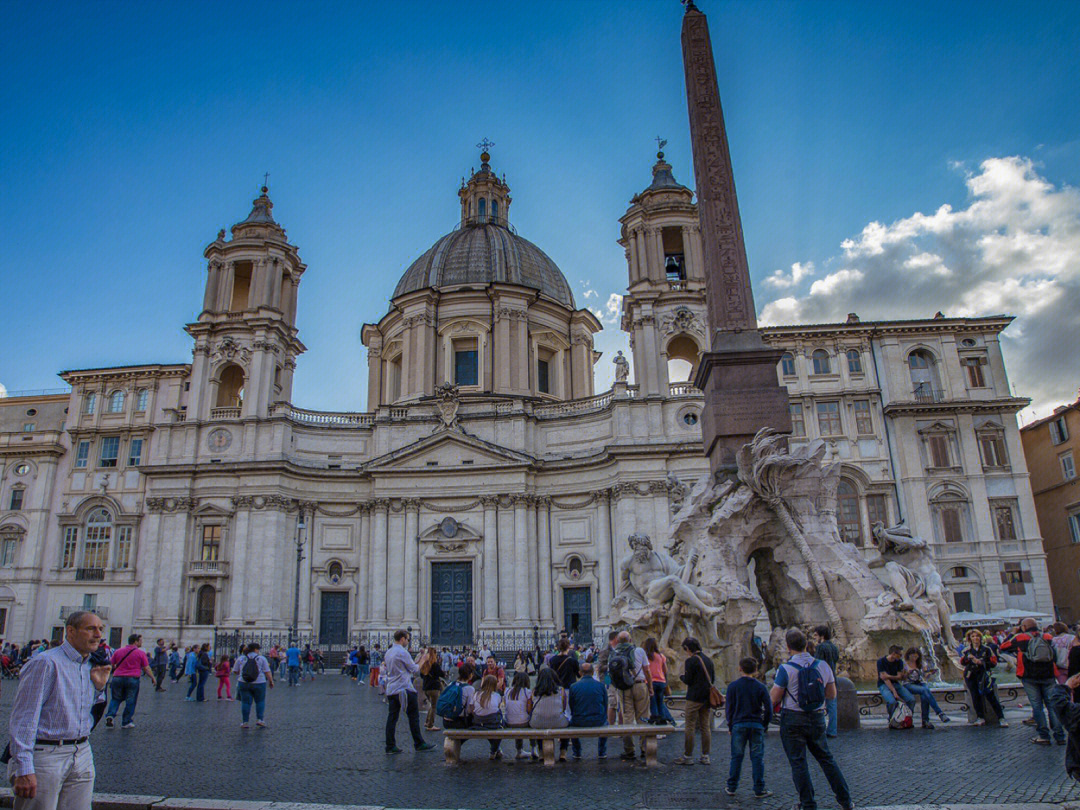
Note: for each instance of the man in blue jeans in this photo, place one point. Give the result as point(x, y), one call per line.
point(129, 663)
point(292, 660)
point(253, 689)
point(890, 677)
point(825, 650)
point(749, 710)
point(802, 727)
point(588, 708)
point(1036, 668)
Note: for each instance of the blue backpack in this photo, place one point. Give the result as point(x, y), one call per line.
point(450, 705)
point(811, 697)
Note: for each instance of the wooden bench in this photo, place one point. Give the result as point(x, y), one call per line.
point(454, 737)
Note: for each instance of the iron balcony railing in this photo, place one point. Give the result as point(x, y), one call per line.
point(90, 573)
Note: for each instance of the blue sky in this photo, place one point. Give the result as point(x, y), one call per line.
point(133, 132)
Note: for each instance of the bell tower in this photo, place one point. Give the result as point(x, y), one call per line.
point(245, 338)
point(664, 308)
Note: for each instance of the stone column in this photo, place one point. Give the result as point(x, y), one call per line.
point(257, 284)
point(375, 380)
point(226, 287)
point(521, 558)
point(364, 596)
point(239, 573)
point(377, 574)
point(543, 515)
point(489, 570)
point(534, 574)
point(632, 257)
point(642, 253)
point(658, 237)
point(212, 283)
point(412, 552)
point(625, 519)
point(603, 534)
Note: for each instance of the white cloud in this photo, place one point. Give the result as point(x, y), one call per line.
point(611, 312)
point(1013, 249)
point(781, 280)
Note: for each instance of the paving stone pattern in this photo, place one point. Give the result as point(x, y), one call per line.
point(325, 744)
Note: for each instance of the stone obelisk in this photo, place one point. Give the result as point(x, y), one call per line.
point(738, 373)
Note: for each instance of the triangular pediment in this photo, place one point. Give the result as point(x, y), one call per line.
point(449, 450)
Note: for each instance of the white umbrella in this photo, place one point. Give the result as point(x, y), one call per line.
point(1012, 614)
point(966, 617)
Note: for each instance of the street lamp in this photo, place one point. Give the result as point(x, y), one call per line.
point(300, 526)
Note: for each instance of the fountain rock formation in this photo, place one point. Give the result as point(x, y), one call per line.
point(779, 512)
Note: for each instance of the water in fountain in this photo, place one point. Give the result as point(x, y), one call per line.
point(930, 651)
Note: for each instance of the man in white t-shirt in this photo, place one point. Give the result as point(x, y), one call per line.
point(254, 690)
point(802, 722)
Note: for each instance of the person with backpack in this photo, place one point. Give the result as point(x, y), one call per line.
point(1037, 671)
point(454, 699)
point(698, 675)
point(628, 667)
point(801, 688)
point(890, 683)
point(255, 675)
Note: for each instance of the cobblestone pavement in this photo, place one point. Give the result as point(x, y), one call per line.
point(325, 744)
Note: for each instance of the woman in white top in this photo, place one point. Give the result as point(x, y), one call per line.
point(518, 703)
point(484, 708)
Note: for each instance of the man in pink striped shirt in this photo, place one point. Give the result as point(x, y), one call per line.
point(129, 663)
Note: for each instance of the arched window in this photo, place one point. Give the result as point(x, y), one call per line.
point(683, 356)
point(230, 393)
point(924, 379)
point(205, 605)
point(854, 361)
point(494, 210)
point(848, 517)
point(334, 572)
point(90, 404)
point(787, 364)
point(482, 208)
point(99, 527)
point(820, 359)
point(116, 402)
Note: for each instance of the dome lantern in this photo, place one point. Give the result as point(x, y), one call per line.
point(484, 198)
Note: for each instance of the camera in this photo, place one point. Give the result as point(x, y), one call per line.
point(99, 657)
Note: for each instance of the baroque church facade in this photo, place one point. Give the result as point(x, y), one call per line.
point(487, 487)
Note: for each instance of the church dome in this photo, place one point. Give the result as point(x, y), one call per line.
point(484, 249)
point(486, 253)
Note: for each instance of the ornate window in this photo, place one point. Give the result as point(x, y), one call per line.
point(71, 546)
point(877, 509)
point(950, 511)
point(864, 423)
point(135, 453)
point(230, 387)
point(924, 379)
point(8, 546)
point(940, 450)
point(848, 516)
point(543, 371)
point(82, 454)
point(854, 361)
point(973, 368)
point(142, 399)
point(820, 359)
point(787, 364)
point(1004, 520)
point(116, 402)
point(481, 208)
point(992, 448)
point(110, 451)
point(798, 423)
point(205, 605)
point(90, 404)
point(828, 415)
point(466, 362)
point(99, 526)
point(210, 545)
point(123, 547)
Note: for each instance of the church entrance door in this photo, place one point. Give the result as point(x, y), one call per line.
point(577, 614)
point(334, 618)
point(451, 603)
